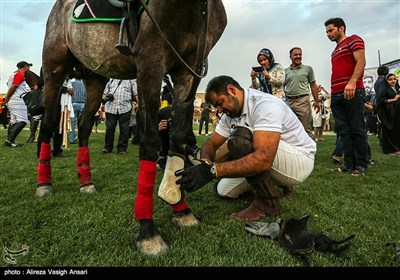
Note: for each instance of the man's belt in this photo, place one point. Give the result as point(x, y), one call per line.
point(297, 96)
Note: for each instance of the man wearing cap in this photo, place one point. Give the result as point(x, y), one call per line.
point(16, 105)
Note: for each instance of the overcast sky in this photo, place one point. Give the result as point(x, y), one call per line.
point(252, 25)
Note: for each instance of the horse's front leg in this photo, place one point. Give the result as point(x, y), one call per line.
point(149, 240)
point(47, 128)
point(181, 138)
point(44, 185)
point(94, 88)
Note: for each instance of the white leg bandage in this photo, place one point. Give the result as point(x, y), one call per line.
point(169, 191)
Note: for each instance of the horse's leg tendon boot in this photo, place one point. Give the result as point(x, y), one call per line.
point(169, 191)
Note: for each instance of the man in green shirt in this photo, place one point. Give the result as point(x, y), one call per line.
point(299, 80)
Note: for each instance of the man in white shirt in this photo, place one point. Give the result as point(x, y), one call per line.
point(118, 99)
point(265, 139)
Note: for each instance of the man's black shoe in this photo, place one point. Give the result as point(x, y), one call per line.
point(12, 144)
point(105, 151)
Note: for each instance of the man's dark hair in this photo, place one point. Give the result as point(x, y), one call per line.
point(382, 70)
point(368, 77)
point(337, 22)
point(218, 85)
point(294, 48)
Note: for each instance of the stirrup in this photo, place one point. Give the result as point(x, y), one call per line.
point(121, 47)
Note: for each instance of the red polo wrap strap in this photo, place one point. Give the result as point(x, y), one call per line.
point(84, 171)
point(144, 203)
point(180, 206)
point(44, 168)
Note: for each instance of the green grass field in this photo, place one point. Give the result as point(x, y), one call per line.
point(71, 229)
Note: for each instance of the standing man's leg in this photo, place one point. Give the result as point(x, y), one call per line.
point(201, 124)
point(343, 130)
point(124, 120)
point(338, 151)
point(136, 137)
point(96, 123)
point(301, 107)
point(33, 128)
point(72, 135)
point(78, 109)
point(3, 118)
point(19, 119)
point(358, 131)
point(111, 123)
point(207, 122)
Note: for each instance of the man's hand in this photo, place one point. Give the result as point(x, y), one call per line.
point(163, 125)
point(369, 106)
point(317, 106)
point(195, 177)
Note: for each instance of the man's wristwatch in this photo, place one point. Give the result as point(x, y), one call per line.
point(213, 168)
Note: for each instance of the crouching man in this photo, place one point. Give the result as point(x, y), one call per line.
point(266, 142)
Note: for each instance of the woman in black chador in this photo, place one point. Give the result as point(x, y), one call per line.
point(388, 109)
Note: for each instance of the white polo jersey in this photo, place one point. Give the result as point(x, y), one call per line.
point(18, 79)
point(266, 112)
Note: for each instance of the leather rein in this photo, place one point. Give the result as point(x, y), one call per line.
point(201, 65)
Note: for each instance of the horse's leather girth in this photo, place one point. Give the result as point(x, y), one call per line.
point(169, 191)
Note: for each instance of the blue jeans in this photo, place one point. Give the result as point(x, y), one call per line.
point(350, 125)
point(78, 109)
point(339, 147)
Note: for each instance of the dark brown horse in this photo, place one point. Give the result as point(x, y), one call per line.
point(177, 43)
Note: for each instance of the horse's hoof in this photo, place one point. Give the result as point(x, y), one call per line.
point(153, 246)
point(43, 191)
point(149, 241)
point(185, 218)
point(88, 189)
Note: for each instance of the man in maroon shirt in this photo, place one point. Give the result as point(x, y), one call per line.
point(348, 95)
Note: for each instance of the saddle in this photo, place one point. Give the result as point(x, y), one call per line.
point(293, 235)
point(127, 12)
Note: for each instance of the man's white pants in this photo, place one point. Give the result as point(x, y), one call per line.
point(18, 111)
point(291, 166)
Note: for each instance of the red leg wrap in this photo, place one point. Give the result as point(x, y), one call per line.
point(44, 168)
point(180, 206)
point(144, 203)
point(84, 171)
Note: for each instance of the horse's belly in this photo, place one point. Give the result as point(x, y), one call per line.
point(93, 44)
